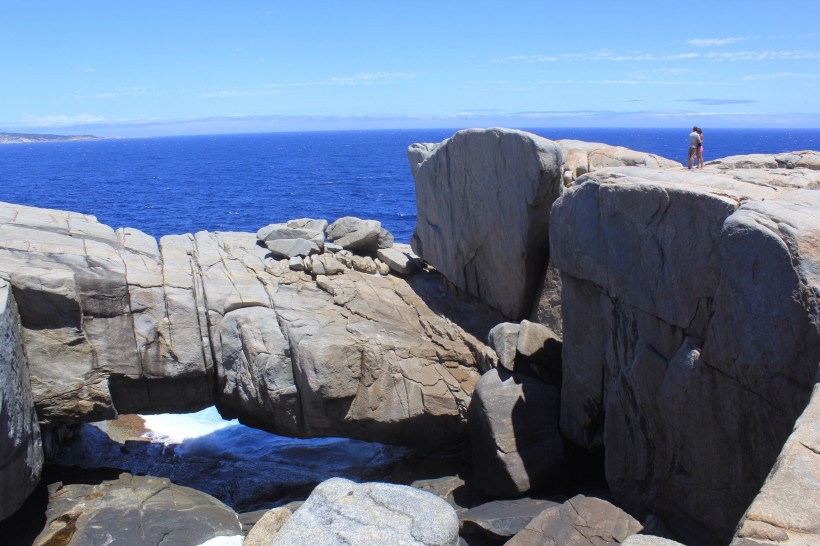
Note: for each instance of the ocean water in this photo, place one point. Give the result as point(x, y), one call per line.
point(174, 185)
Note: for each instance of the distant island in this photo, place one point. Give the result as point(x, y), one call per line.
point(20, 138)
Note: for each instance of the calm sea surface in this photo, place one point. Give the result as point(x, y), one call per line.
point(243, 182)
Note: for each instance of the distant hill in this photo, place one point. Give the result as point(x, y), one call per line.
point(17, 138)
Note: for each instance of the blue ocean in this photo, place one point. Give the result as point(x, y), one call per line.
point(186, 184)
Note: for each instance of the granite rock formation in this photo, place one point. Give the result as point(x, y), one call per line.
point(689, 326)
point(214, 318)
point(690, 306)
point(484, 199)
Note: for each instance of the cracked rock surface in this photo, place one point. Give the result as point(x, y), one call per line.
point(140, 510)
point(690, 307)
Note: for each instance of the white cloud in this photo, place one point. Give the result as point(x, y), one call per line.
point(62, 120)
point(709, 42)
point(762, 55)
point(241, 93)
point(369, 78)
point(85, 69)
point(132, 91)
point(609, 55)
point(782, 76)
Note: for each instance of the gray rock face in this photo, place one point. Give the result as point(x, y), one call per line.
point(138, 510)
point(690, 335)
point(787, 509)
point(340, 512)
point(21, 450)
point(513, 423)
point(581, 521)
point(484, 199)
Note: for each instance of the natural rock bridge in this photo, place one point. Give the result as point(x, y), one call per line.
point(687, 303)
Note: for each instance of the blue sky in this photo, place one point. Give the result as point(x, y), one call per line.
point(147, 68)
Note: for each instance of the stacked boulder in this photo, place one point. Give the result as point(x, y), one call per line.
point(315, 247)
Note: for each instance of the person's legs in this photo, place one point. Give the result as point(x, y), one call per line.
point(700, 157)
point(689, 157)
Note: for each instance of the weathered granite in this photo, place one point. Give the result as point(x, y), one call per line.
point(690, 334)
point(134, 510)
point(484, 199)
point(21, 450)
point(340, 512)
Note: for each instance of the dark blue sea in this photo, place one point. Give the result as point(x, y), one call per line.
point(242, 182)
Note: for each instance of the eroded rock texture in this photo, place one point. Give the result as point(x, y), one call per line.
point(691, 334)
point(113, 322)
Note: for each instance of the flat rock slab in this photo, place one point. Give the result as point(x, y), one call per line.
point(134, 510)
point(504, 518)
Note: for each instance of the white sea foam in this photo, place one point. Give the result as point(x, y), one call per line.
point(169, 428)
point(235, 540)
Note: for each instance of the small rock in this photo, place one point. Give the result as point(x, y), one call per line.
point(503, 338)
point(267, 527)
point(400, 262)
point(297, 263)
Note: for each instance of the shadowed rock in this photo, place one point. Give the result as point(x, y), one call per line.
point(21, 451)
point(690, 334)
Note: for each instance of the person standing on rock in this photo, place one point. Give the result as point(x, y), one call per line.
point(694, 144)
point(700, 148)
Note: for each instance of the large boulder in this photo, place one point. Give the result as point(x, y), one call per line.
point(513, 420)
point(484, 199)
point(691, 340)
point(255, 372)
point(21, 450)
point(340, 512)
point(134, 510)
point(375, 358)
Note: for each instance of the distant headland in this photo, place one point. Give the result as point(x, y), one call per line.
point(22, 138)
